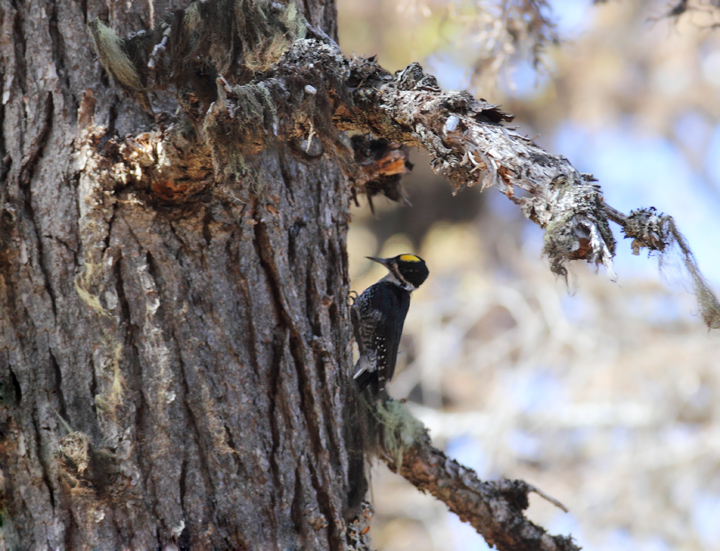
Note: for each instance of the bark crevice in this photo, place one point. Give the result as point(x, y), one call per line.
point(58, 386)
point(45, 467)
point(27, 171)
point(59, 54)
point(201, 447)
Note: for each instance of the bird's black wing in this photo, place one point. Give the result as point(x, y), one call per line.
point(393, 329)
point(382, 309)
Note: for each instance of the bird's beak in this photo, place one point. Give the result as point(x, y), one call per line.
point(383, 261)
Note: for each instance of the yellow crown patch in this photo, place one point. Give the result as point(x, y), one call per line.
point(409, 258)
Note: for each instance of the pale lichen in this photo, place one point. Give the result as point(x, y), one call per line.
point(114, 58)
point(398, 429)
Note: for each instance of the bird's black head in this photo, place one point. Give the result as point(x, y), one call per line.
point(408, 269)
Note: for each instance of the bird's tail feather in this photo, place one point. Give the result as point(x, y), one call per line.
point(363, 374)
point(363, 379)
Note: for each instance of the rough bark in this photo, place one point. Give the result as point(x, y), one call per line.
point(174, 373)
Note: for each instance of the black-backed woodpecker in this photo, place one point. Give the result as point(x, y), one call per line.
point(379, 316)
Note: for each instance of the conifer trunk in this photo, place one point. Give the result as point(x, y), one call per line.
point(174, 359)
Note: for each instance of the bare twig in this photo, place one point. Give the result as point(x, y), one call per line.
point(548, 498)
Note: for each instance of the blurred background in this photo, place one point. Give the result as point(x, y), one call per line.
point(604, 395)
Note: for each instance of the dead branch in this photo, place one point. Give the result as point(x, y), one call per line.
point(314, 91)
point(494, 509)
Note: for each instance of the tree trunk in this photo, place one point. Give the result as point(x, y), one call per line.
point(174, 361)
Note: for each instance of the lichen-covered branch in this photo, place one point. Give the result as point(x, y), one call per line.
point(305, 96)
point(658, 233)
point(313, 91)
point(494, 509)
point(470, 145)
